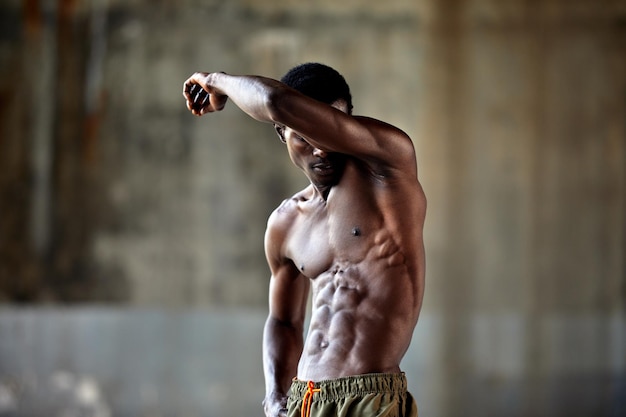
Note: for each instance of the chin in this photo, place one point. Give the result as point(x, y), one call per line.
point(325, 182)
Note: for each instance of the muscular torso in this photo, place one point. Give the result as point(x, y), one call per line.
point(362, 249)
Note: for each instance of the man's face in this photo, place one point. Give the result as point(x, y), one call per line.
point(321, 167)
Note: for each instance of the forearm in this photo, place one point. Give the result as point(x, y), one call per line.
point(282, 347)
point(253, 94)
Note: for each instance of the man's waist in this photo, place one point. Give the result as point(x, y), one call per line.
point(331, 389)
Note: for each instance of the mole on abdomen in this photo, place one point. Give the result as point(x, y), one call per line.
point(356, 231)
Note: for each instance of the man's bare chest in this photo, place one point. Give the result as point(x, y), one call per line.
point(323, 237)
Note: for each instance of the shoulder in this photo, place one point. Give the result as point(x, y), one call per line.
point(279, 224)
point(285, 213)
point(282, 216)
point(386, 148)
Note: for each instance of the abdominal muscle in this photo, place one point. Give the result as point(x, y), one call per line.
point(358, 324)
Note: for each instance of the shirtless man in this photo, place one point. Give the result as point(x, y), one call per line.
point(354, 235)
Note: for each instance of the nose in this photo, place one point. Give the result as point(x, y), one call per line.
point(317, 152)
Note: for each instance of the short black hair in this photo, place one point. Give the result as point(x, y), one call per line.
point(319, 82)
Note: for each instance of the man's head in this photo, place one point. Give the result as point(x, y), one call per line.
point(319, 82)
point(322, 83)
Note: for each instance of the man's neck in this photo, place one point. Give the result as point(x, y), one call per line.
point(322, 191)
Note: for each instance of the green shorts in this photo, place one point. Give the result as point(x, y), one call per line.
point(360, 395)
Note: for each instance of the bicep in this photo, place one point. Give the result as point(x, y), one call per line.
point(288, 295)
point(332, 130)
point(288, 288)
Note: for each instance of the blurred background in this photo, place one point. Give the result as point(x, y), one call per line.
point(132, 275)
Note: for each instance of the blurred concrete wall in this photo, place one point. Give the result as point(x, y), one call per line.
point(112, 193)
point(98, 362)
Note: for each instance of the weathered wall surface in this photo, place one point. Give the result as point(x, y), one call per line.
point(110, 192)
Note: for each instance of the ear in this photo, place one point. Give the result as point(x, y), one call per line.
point(342, 104)
point(280, 130)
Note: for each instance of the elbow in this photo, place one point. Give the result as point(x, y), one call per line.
point(282, 323)
point(275, 105)
point(272, 107)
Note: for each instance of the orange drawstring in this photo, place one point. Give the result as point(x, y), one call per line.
point(308, 399)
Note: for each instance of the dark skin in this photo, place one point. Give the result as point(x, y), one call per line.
point(354, 236)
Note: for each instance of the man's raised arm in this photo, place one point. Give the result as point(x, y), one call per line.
point(324, 126)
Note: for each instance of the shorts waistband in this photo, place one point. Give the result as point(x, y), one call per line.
point(394, 383)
